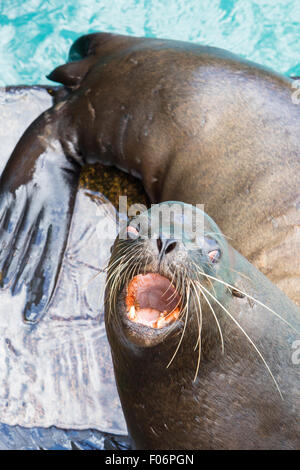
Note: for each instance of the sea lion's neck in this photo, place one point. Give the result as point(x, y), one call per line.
point(151, 381)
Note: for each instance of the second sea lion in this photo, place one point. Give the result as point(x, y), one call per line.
point(202, 343)
point(196, 123)
point(200, 125)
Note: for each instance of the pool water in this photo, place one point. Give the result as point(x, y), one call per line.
point(35, 35)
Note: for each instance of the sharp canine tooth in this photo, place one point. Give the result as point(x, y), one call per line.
point(132, 314)
point(160, 322)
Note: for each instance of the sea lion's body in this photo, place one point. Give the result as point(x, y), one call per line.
point(233, 403)
point(198, 125)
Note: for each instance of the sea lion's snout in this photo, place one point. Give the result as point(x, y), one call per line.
point(165, 246)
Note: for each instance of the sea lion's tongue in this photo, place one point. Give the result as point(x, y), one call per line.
point(152, 300)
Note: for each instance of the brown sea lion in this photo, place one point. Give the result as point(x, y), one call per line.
point(217, 374)
point(196, 123)
point(200, 125)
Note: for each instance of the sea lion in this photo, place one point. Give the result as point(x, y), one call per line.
point(200, 125)
point(196, 123)
point(218, 373)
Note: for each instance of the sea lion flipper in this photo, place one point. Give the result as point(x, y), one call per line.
point(37, 192)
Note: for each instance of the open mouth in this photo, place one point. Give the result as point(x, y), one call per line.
point(152, 301)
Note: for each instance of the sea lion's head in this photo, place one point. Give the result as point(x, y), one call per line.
point(163, 277)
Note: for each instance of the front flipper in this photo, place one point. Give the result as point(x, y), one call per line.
point(37, 193)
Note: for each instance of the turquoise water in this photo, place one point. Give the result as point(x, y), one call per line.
point(35, 35)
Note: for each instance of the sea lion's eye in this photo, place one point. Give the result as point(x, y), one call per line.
point(212, 249)
point(132, 232)
point(214, 255)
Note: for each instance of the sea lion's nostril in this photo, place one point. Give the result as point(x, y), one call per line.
point(165, 246)
point(159, 244)
point(170, 245)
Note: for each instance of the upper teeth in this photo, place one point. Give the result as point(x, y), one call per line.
point(132, 314)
